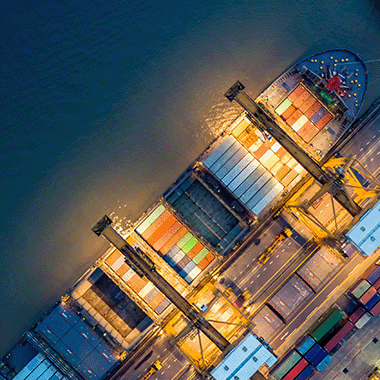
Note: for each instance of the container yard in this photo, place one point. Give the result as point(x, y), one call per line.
point(155, 298)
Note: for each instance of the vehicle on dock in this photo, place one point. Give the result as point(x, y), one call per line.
point(264, 257)
point(156, 366)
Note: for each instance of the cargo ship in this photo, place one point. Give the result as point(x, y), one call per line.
point(191, 229)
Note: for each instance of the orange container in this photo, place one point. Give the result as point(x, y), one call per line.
point(292, 119)
point(303, 132)
point(156, 300)
point(167, 235)
point(288, 112)
point(313, 109)
point(123, 270)
point(307, 103)
point(193, 252)
point(170, 243)
point(203, 264)
point(289, 177)
point(301, 99)
point(296, 93)
point(311, 133)
point(210, 257)
point(282, 172)
point(111, 259)
point(139, 284)
point(281, 152)
point(155, 225)
point(261, 151)
point(324, 121)
point(161, 230)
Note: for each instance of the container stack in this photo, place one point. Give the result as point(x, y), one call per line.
point(304, 113)
point(139, 285)
point(175, 243)
point(367, 292)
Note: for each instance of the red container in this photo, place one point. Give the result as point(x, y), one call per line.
point(296, 93)
point(288, 112)
point(307, 103)
point(357, 314)
point(367, 295)
point(339, 335)
point(313, 109)
point(296, 370)
point(376, 284)
point(162, 229)
point(301, 99)
point(375, 310)
point(174, 239)
point(324, 121)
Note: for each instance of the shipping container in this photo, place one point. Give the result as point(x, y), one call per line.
point(225, 157)
point(318, 115)
point(201, 255)
point(173, 251)
point(195, 250)
point(283, 172)
point(301, 99)
point(296, 93)
point(241, 127)
point(327, 323)
point(237, 169)
point(338, 336)
point(166, 236)
point(311, 133)
point(354, 317)
point(164, 250)
point(283, 106)
point(161, 230)
point(151, 295)
point(255, 187)
point(162, 306)
point(372, 302)
point(277, 189)
point(150, 219)
point(313, 109)
point(218, 151)
point(285, 365)
point(371, 291)
point(307, 104)
point(260, 151)
point(362, 321)
point(249, 181)
point(262, 192)
point(375, 310)
point(315, 355)
point(156, 300)
point(288, 112)
point(177, 258)
point(229, 165)
point(360, 288)
point(182, 263)
point(243, 175)
point(306, 373)
point(324, 121)
point(295, 116)
point(374, 275)
point(376, 284)
point(324, 363)
point(296, 370)
point(300, 123)
point(289, 178)
point(306, 343)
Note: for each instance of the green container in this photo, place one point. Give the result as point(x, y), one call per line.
point(283, 106)
point(327, 323)
point(361, 289)
point(190, 245)
point(286, 366)
point(150, 219)
point(326, 97)
point(201, 255)
point(184, 240)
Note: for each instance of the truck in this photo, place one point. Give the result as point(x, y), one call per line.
point(264, 257)
point(156, 366)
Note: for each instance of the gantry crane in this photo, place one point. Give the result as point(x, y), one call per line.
point(144, 266)
point(331, 181)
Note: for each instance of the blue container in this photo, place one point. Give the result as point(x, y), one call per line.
point(214, 156)
point(374, 275)
point(318, 115)
point(230, 164)
point(324, 363)
point(318, 358)
point(315, 354)
point(306, 373)
point(306, 343)
point(372, 302)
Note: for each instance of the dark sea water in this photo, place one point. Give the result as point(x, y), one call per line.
point(105, 103)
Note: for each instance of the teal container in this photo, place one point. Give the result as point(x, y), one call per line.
point(326, 324)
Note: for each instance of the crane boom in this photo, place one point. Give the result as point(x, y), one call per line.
point(103, 227)
point(256, 114)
